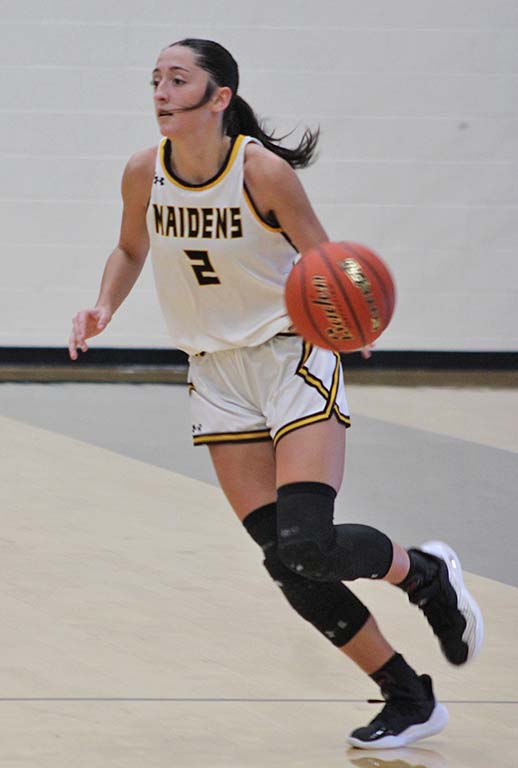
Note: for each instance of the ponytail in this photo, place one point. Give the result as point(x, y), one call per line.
point(240, 118)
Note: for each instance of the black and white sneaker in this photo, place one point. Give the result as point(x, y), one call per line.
point(450, 609)
point(402, 720)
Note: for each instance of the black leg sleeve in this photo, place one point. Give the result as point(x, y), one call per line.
point(311, 545)
point(329, 606)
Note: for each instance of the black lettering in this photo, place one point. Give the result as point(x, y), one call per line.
point(171, 221)
point(221, 222)
point(158, 210)
point(207, 222)
point(236, 227)
point(193, 218)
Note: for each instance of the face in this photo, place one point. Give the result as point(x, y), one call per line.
point(179, 82)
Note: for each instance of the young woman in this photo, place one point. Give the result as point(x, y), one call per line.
point(221, 208)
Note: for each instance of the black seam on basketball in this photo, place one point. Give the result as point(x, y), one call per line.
point(381, 284)
point(307, 307)
point(336, 275)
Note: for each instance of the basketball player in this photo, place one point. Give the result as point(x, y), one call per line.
point(220, 206)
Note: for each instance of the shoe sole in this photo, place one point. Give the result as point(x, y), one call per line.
point(473, 634)
point(433, 725)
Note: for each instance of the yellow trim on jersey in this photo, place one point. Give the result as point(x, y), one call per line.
point(329, 395)
point(231, 437)
point(256, 216)
point(194, 187)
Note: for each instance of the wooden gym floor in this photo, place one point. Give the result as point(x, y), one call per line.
point(140, 631)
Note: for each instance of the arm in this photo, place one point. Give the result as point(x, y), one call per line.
point(276, 188)
point(126, 260)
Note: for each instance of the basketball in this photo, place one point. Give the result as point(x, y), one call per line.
point(340, 296)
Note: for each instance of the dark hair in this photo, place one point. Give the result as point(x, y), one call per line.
point(239, 116)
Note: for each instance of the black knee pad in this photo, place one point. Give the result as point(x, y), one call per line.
point(310, 545)
point(261, 524)
point(305, 528)
point(330, 607)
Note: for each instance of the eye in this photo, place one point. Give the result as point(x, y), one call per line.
point(154, 83)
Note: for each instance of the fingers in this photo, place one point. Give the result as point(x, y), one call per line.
point(81, 330)
point(77, 337)
point(72, 352)
point(366, 352)
point(80, 325)
point(74, 345)
point(87, 323)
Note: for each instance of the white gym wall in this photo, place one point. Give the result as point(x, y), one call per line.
point(417, 101)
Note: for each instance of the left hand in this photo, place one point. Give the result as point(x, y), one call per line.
point(366, 352)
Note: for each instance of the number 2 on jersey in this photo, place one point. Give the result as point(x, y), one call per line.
point(202, 267)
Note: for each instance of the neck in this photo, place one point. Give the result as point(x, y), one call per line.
point(196, 159)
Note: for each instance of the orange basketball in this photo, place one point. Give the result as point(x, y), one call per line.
point(340, 296)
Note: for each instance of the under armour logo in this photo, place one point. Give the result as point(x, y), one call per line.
point(196, 428)
point(159, 180)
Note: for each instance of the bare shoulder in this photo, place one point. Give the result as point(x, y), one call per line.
point(138, 176)
point(263, 167)
point(277, 189)
point(141, 165)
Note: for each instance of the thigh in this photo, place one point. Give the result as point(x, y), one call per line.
point(315, 453)
point(246, 473)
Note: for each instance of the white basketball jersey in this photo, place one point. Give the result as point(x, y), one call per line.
point(219, 268)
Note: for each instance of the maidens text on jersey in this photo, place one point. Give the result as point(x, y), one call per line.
point(205, 223)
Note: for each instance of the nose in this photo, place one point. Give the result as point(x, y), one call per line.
point(160, 92)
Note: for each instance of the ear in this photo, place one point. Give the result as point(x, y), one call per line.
point(221, 98)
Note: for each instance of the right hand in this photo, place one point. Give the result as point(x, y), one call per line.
point(87, 323)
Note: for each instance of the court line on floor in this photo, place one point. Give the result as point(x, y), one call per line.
point(216, 700)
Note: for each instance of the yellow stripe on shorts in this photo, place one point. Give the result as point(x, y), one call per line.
point(231, 437)
point(328, 394)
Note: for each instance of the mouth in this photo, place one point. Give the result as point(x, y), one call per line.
point(165, 113)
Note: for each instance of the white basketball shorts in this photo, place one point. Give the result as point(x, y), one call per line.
point(264, 392)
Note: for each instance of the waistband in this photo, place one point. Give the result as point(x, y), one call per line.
point(277, 335)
